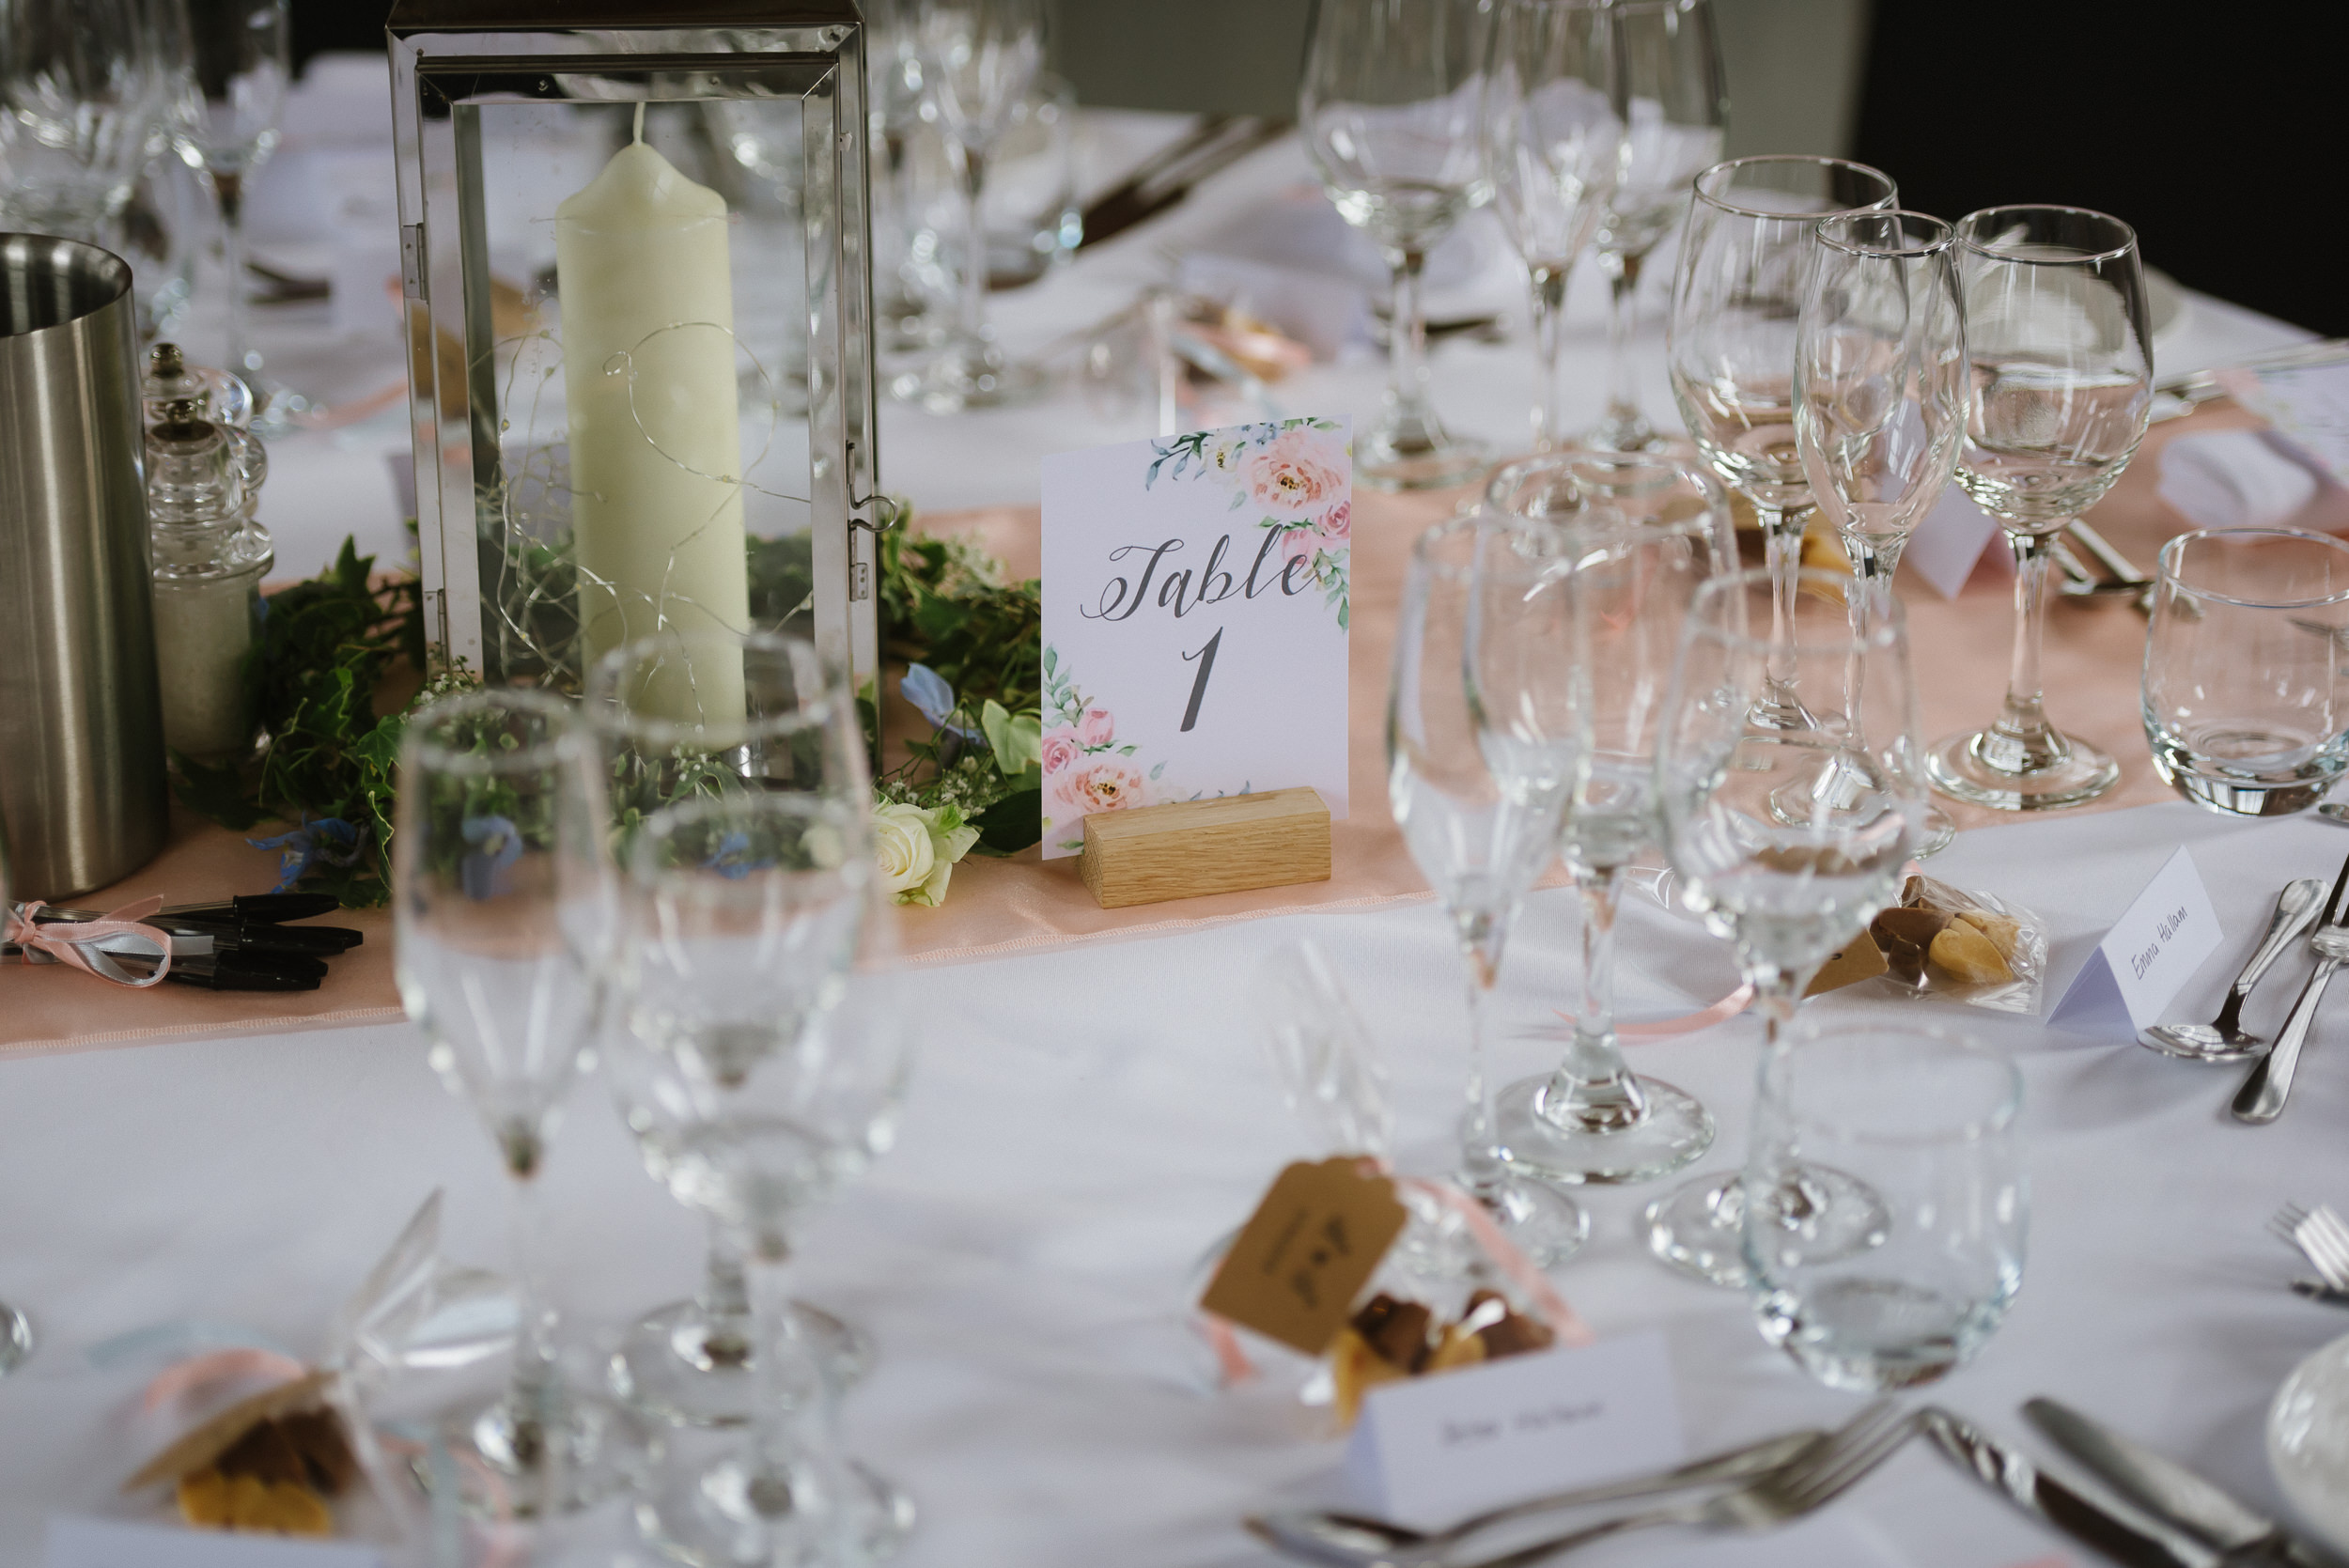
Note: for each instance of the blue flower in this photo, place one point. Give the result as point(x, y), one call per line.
point(732, 858)
point(927, 690)
point(497, 844)
point(309, 843)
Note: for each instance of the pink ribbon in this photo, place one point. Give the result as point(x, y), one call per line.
point(75, 943)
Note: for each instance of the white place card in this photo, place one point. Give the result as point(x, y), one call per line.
point(76, 1543)
point(1195, 614)
point(1429, 1451)
point(2153, 949)
point(1949, 543)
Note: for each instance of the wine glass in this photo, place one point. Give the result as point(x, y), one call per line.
point(760, 1067)
point(225, 129)
point(81, 90)
point(1731, 344)
point(16, 1329)
point(1553, 140)
point(1787, 890)
point(978, 59)
point(2062, 385)
point(893, 75)
point(1480, 834)
point(1880, 390)
point(1668, 61)
point(1649, 532)
point(1389, 108)
point(765, 715)
point(497, 908)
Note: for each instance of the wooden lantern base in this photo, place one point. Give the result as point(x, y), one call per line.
point(1195, 847)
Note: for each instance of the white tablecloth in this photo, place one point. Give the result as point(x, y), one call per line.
point(1084, 1123)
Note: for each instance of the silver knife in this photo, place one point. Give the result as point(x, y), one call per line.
point(2138, 1545)
point(2261, 1099)
point(2167, 1488)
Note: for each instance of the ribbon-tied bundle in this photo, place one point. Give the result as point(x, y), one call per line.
point(96, 946)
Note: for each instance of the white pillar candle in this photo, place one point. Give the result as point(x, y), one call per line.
point(655, 457)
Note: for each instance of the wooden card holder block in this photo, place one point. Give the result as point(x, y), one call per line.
point(1195, 847)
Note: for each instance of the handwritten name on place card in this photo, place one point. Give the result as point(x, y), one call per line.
point(2156, 946)
point(1432, 1450)
point(75, 1542)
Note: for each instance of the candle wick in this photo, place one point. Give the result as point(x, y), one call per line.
point(639, 133)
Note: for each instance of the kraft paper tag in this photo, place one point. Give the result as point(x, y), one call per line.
point(1861, 959)
point(1307, 1252)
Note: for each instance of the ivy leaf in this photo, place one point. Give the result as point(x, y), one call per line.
point(1012, 823)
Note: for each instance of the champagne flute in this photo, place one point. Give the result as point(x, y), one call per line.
point(1880, 381)
point(759, 1070)
point(1481, 835)
point(1668, 60)
point(498, 906)
point(1389, 110)
point(2062, 385)
point(1735, 306)
point(1880, 388)
point(1787, 890)
point(978, 59)
point(1649, 532)
point(226, 130)
point(760, 711)
point(80, 94)
point(1553, 140)
point(892, 72)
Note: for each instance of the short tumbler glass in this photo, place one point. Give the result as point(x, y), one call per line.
point(1925, 1121)
point(2246, 707)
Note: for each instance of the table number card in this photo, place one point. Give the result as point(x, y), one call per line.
point(1195, 612)
point(2153, 949)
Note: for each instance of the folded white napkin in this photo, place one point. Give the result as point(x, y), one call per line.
point(2237, 479)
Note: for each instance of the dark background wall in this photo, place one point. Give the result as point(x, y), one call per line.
point(2217, 131)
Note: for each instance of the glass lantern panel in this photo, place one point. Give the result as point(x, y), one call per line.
point(642, 387)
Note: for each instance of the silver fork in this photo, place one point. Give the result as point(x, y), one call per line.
point(2320, 1236)
point(1809, 1481)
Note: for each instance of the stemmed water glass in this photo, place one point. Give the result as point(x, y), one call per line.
point(1735, 306)
point(760, 1068)
point(1389, 109)
point(226, 130)
point(893, 75)
point(1649, 532)
point(978, 59)
point(1787, 890)
point(1480, 834)
point(1668, 62)
point(671, 717)
point(2063, 377)
point(1880, 391)
point(81, 90)
point(498, 907)
point(1553, 141)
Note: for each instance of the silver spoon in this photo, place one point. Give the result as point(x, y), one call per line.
point(2335, 812)
point(1357, 1540)
point(2223, 1039)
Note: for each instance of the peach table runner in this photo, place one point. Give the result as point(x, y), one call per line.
point(998, 906)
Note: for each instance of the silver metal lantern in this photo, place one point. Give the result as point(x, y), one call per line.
point(635, 251)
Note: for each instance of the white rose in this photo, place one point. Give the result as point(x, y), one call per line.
point(902, 837)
